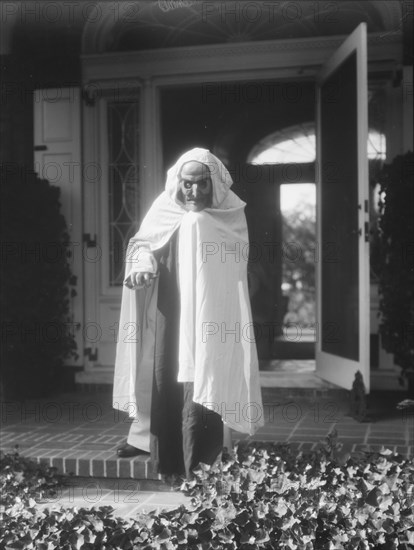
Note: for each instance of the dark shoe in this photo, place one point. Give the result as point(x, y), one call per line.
point(127, 450)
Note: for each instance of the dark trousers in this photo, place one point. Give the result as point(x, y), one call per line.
point(183, 432)
point(202, 431)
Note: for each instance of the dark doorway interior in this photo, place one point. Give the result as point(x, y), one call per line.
point(230, 119)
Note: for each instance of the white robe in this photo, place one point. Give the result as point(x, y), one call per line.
point(217, 350)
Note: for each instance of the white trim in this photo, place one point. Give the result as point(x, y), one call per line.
point(90, 211)
point(152, 179)
point(106, 289)
point(363, 198)
point(252, 60)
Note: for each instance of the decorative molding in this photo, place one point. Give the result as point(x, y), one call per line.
point(110, 21)
point(204, 61)
point(168, 5)
point(392, 14)
point(95, 35)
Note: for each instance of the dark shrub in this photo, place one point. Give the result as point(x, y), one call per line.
point(35, 286)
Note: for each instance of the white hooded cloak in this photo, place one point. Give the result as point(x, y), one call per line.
point(217, 350)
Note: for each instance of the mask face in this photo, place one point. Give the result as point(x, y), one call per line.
point(196, 188)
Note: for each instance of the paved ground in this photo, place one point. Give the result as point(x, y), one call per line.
point(126, 497)
point(79, 433)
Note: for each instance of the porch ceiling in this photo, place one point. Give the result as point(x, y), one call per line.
point(161, 23)
point(46, 38)
point(71, 27)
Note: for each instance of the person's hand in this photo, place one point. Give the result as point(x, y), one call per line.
point(136, 281)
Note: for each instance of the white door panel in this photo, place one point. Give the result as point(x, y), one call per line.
point(342, 186)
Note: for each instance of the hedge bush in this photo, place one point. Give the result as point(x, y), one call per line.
point(36, 286)
point(396, 263)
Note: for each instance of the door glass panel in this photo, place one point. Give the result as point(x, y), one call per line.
point(339, 203)
point(123, 182)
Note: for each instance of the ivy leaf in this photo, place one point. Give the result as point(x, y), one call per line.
point(388, 526)
point(386, 452)
point(89, 536)
point(385, 502)
point(226, 535)
point(164, 535)
point(281, 508)
point(246, 538)
point(19, 476)
point(409, 537)
point(257, 476)
point(76, 540)
point(373, 497)
point(242, 518)
point(262, 536)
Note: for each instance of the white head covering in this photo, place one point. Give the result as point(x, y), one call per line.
point(167, 211)
point(220, 176)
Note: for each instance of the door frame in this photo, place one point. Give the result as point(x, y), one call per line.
point(66, 143)
point(334, 368)
point(151, 70)
point(289, 59)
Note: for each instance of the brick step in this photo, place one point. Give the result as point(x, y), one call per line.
point(134, 468)
point(113, 474)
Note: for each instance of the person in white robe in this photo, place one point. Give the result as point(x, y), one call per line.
point(186, 362)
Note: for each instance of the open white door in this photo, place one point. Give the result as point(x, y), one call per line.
point(57, 158)
point(342, 346)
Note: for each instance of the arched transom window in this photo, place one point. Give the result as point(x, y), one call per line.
point(297, 144)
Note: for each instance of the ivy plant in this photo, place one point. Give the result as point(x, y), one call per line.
point(263, 496)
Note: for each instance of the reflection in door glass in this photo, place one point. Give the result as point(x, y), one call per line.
point(297, 204)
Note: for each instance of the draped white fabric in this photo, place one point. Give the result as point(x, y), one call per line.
point(216, 349)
